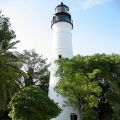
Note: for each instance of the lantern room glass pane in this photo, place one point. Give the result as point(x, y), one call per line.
point(62, 17)
point(62, 9)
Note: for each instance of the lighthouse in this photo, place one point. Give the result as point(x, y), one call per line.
point(62, 26)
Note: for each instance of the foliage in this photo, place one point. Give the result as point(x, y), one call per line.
point(36, 68)
point(92, 84)
point(9, 70)
point(6, 34)
point(32, 103)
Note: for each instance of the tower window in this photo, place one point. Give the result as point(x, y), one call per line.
point(60, 56)
point(73, 116)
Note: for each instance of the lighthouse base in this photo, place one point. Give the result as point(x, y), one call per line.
point(68, 113)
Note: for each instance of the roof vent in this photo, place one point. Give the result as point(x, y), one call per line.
point(61, 3)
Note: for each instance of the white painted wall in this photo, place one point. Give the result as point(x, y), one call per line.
point(62, 40)
point(62, 45)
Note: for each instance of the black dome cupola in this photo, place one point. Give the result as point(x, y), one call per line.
point(62, 14)
point(61, 8)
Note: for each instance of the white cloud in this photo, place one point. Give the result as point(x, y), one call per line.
point(90, 3)
point(87, 4)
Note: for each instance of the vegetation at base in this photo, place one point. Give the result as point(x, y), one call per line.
point(92, 85)
point(13, 78)
point(23, 101)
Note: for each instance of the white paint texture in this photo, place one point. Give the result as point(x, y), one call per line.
point(62, 40)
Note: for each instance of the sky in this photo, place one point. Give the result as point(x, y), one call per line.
point(96, 24)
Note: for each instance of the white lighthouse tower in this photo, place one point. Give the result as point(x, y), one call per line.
point(61, 26)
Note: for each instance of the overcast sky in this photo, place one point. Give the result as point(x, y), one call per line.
point(96, 24)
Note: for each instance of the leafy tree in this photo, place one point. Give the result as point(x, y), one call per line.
point(36, 68)
point(9, 71)
point(77, 86)
point(32, 103)
point(92, 84)
point(108, 80)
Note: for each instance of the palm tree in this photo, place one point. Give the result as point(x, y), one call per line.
point(10, 72)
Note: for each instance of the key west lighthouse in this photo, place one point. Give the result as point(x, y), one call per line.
point(61, 26)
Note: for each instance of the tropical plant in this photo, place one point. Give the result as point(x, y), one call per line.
point(9, 69)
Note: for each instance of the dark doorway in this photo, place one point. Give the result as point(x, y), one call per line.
point(73, 116)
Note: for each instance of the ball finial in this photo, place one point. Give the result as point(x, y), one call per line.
point(61, 3)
